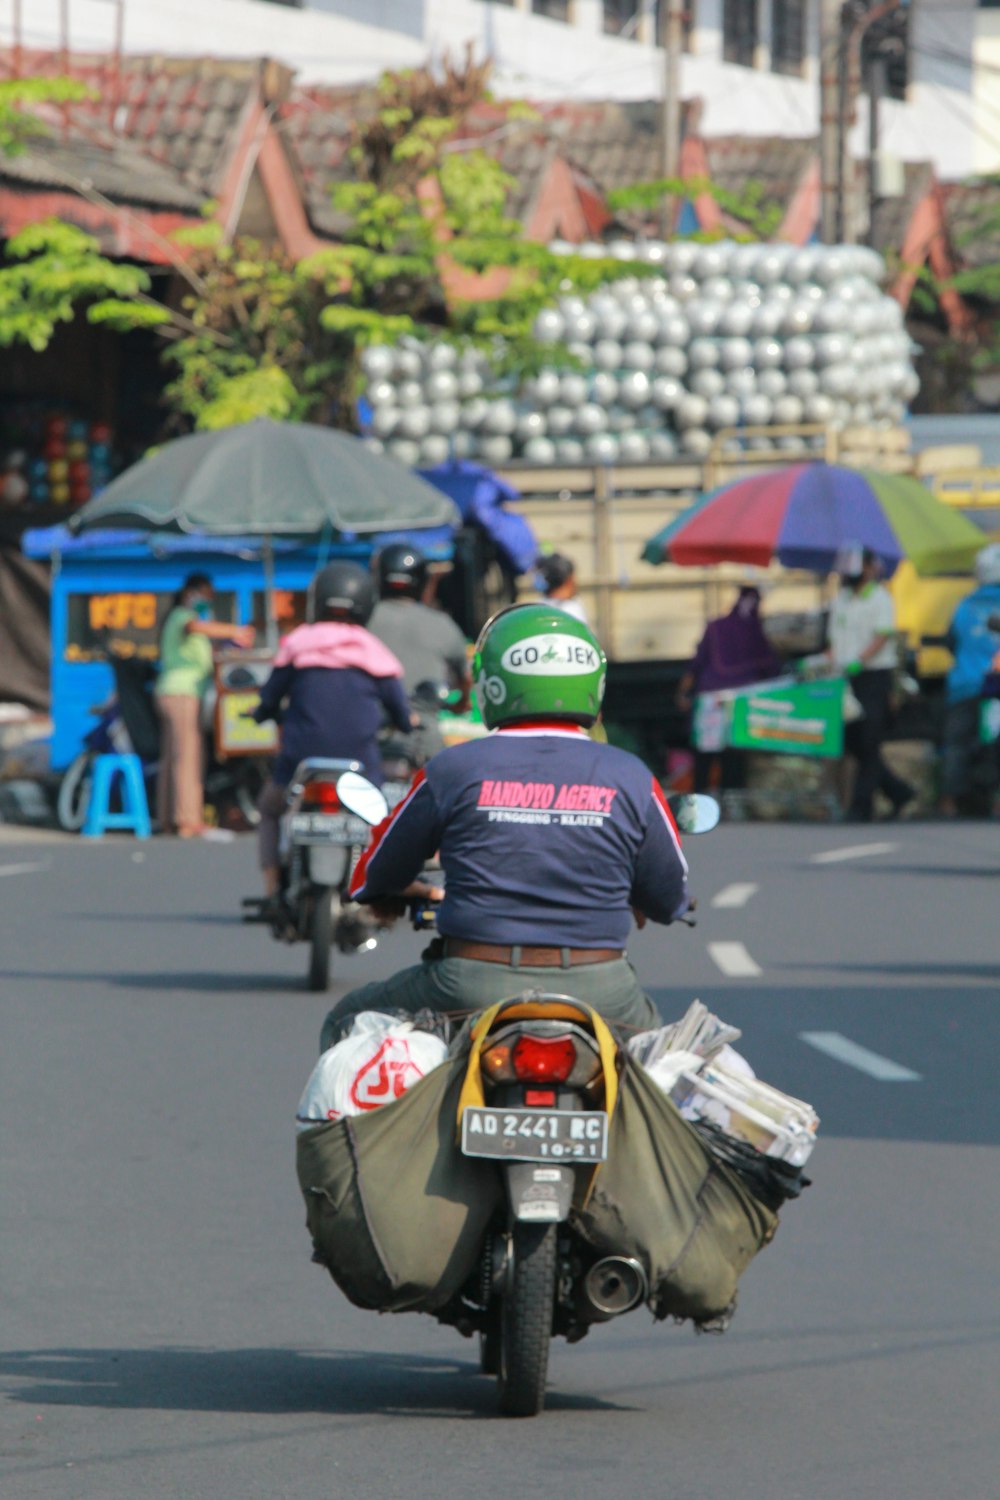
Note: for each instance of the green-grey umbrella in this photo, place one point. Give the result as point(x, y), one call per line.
point(268, 479)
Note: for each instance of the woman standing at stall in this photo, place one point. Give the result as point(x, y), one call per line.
point(185, 675)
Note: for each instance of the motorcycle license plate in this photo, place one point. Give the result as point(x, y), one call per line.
point(331, 828)
point(563, 1135)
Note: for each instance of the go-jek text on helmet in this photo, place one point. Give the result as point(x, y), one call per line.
point(987, 564)
point(342, 591)
point(533, 661)
point(401, 571)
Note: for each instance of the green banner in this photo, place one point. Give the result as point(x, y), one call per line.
point(798, 718)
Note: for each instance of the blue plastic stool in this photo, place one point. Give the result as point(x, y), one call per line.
point(135, 809)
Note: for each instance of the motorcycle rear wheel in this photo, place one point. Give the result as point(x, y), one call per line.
point(526, 1321)
point(320, 938)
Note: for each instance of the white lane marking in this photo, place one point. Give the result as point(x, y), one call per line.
point(846, 1051)
point(23, 869)
point(734, 960)
point(852, 851)
point(734, 895)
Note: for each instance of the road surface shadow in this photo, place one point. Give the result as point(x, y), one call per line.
point(273, 1381)
point(936, 872)
point(208, 981)
point(203, 918)
point(957, 970)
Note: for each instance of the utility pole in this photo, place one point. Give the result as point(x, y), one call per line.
point(671, 16)
point(855, 18)
point(830, 111)
point(876, 90)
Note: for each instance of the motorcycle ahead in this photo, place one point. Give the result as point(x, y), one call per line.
point(330, 810)
point(228, 784)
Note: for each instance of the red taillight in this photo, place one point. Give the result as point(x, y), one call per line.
point(321, 795)
point(543, 1059)
point(540, 1098)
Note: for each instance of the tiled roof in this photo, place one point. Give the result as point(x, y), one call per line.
point(777, 163)
point(113, 169)
point(972, 211)
point(316, 125)
point(179, 112)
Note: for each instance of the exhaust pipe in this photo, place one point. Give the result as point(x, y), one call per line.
point(613, 1286)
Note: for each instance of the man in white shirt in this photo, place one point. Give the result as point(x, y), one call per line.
point(862, 646)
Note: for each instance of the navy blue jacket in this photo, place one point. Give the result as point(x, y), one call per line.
point(545, 838)
point(335, 712)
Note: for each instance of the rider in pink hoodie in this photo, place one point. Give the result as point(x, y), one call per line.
point(332, 687)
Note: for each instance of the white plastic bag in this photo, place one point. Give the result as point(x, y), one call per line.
point(375, 1064)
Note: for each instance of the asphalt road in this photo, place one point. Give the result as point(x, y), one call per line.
point(164, 1334)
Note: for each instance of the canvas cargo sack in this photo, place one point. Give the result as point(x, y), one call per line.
point(662, 1197)
point(398, 1215)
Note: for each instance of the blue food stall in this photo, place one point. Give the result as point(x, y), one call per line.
point(111, 591)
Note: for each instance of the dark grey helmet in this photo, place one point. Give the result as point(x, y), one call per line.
point(401, 571)
point(342, 591)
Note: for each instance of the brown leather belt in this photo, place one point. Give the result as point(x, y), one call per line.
point(523, 956)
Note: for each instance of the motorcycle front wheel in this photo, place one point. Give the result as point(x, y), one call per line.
point(320, 937)
point(74, 793)
point(526, 1320)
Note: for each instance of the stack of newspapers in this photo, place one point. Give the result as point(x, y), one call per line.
point(694, 1062)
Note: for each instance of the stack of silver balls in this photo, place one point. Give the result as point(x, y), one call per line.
point(722, 335)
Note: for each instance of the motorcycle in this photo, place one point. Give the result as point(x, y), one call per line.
point(539, 1076)
point(403, 755)
point(330, 809)
point(227, 783)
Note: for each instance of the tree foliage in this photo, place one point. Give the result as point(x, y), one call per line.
point(20, 98)
point(52, 268)
point(750, 208)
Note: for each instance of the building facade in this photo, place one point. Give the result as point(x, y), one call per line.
point(753, 64)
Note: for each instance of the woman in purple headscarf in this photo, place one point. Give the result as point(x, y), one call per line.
point(733, 652)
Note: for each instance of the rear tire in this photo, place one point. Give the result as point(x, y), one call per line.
point(74, 793)
point(526, 1320)
point(320, 938)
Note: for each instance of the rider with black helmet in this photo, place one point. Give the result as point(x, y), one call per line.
point(331, 687)
point(427, 641)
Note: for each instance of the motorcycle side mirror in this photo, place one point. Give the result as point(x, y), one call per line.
point(694, 812)
point(362, 798)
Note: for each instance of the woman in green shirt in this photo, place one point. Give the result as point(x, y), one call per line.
point(185, 675)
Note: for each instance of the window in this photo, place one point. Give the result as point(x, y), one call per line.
point(788, 36)
point(621, 17)
point(739, 31)
point(556, 10)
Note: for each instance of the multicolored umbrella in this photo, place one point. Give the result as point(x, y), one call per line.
point(800, 515)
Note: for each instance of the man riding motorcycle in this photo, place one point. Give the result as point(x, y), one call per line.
point(338, 682)
point(427, 641)
point(548, 841)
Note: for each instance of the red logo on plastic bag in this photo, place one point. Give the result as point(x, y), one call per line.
point(386, 1076)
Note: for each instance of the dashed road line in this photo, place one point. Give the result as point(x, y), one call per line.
point(734, 960)
point(851, 851)
point(24, 869)
point(843, 1050)
point(734, 895)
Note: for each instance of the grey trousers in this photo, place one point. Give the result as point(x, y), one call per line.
point(462, 986)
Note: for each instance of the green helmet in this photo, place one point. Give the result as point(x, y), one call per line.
point(537, 661)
